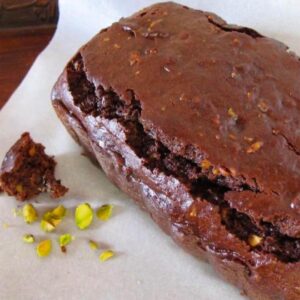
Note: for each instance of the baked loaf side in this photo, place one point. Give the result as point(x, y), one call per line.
point(197, 121)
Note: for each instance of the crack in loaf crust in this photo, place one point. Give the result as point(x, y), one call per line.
point(212, 185)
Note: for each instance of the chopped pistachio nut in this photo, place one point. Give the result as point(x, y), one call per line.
point(65, 239)
point(205, 164)
point(93, 245)
point(232, 113)
point(152, 24)
point(55, 222)
point(19, 188)
point(51, 219)
point(30, 214)
point(193, 211)
point(216, 171)
point(105, 255)
point(254, 240)
point(59, 211)
point(104, 212)
point(255, 147)
point(47, 215)
point(32, 151)
point(44, 248)
point(28, 238)
point(47, 226)
point(83, 215)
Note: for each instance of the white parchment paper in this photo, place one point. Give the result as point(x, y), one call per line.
point(148, 264)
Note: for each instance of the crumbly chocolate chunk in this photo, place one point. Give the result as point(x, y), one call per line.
point(27, 171)
point(197, 131)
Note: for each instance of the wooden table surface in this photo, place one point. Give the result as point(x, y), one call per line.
point(26, 27)
point(18, 50)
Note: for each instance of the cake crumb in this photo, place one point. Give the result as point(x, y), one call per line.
point(27, 171)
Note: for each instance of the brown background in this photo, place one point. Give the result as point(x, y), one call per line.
point(26, 27)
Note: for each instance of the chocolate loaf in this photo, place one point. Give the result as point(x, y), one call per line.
point(198, 121)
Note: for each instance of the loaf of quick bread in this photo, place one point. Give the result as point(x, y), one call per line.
point(199, 122)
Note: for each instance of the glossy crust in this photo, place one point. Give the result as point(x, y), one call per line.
point(197, 121)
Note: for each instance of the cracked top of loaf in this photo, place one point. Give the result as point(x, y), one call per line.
point(220, 95)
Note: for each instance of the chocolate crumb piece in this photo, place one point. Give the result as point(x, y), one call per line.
point(27, 171)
